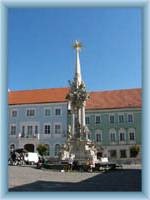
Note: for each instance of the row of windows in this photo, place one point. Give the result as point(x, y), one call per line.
point(31, 112)
point(121, 119)
point(113, 137)
point(122, 153)
point(48, 112)
point(31, 130)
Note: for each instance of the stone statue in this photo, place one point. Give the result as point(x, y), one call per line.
point(78, 143)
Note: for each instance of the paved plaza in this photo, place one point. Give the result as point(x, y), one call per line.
point(28, 178)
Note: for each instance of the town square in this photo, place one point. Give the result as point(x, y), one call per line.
point(83, 134)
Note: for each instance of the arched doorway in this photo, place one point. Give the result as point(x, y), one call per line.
point(29, 147)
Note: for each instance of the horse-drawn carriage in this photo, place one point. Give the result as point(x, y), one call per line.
point(17, 157)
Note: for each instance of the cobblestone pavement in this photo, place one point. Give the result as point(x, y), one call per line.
point(28, 178)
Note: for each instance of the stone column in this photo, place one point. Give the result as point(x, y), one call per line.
point(73, 123)
point(83, 116)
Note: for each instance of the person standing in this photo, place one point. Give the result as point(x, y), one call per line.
point(70, 162)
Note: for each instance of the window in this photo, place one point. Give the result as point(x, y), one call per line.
point(122, 136)
point(98, 137)
point(87, 120)
point(131, 136)
point(57, 149)
point(121, 118)
point(134, 151)
point(123, 153)
point(30, 112)
point(57, 128)
point(36, 129)
point(97, 119)
point(112, 119)
point(47, 129)
point(130, 118)
point(23, 131)
point(112, 137)
point(47, 112)
point(13, 130)
point(29, 130)
point(14, 113)
point(57, 111)
point(132, 154)
point(113, 153)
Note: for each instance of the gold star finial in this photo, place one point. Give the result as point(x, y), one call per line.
point(77, 45)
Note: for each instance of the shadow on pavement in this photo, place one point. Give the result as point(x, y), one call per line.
point(119, 180)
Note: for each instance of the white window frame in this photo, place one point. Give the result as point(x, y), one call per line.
point(28, 133)
point(60, 124)
point(27, 109)
point(47, 124)
point(89, 119)
point(125, 153)
point(16, 110)
point(122, 130)
point(23, 134)
point(98, 115)
point(35, 129)
point(112, 114)
point(121, 114)
point(123, 135)
point(131, 130)
point(113, 131)
point(13, 125)
point(128, 117)
point(98, 132)
point(26, 124)
point(47, 108)
point(55, 111)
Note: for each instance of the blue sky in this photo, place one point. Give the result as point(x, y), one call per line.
point(40, 53)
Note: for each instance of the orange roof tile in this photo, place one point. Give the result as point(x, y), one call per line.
point(38, 96)
point(128, 98)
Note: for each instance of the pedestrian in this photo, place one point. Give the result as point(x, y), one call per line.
point(39, 163)
point(70, 162)
point(13, 157)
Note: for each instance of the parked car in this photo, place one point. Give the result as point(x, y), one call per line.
point(31, 158)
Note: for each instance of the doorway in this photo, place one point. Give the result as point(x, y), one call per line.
point(29, 147)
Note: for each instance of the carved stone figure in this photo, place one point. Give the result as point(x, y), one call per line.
point(78, 143)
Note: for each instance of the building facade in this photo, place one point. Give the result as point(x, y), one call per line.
point(113, 119)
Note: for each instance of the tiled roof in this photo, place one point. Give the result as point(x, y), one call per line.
point(38, 96)
point(129, 98)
